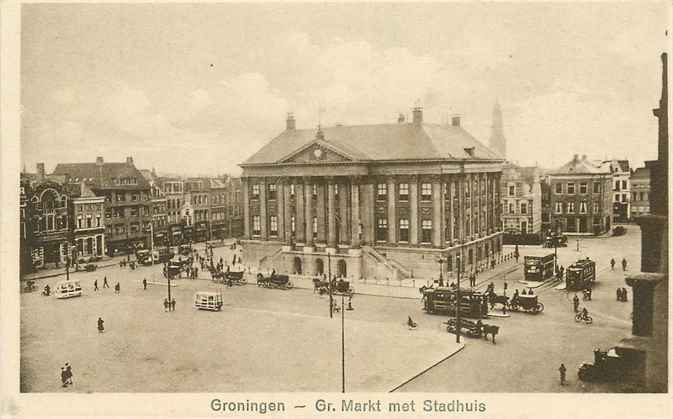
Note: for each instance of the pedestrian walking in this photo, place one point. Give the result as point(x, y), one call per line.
point(64, 378)
point(68, 374)
point(100, 325)
point(105, 284)
point(625, 297)
point(166, 304)
point(562, 372)
point(117, 288)
point(144, 284)
point(95, 285)
point(173, 304)
point(623, 264)
point(576, 303)
point(612, 264)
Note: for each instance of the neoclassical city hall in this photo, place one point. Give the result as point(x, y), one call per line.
point(386, 201)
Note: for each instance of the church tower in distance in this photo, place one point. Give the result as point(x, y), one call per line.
point(498, 141)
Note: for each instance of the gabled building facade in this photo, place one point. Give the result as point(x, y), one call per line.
point(621, 188)
point(640, 192)
point(521, 200)
point(383, 200)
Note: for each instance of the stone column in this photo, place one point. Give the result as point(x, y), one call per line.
point(331, 215)
point(263, 216)
point(344, 234)
point(280, 208)
point(287, 221)
point(355, 212)
point(451, 190)
point(320, 212)
point(392, 216)
point(308, 218)
point(369, 212)
point(413, 210)
point(299, 214)
point(436, 213)
point(461, 208)
point(246, 209)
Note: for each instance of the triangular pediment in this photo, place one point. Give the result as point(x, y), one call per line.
point(317, 152)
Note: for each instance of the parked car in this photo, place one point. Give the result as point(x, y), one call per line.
point(618, 231)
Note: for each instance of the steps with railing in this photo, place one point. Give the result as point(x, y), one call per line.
point(395, 268)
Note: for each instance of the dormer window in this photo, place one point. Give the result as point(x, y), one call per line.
point(469, 151)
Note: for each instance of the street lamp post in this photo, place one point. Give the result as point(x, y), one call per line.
point(441, 278)
point(343, 348)
point(329, 282)
point(458, 262)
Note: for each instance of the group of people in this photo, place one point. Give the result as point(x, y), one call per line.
point(613, 263)
point(106, 285)
point(622, 295)
point(169, 305)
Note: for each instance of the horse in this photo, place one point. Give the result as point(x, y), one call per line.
point(320, 286)
point(490, 329)
point(494, 299)
point(261, 281)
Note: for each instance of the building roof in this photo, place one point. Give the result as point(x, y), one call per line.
point(641, 173)
point(402, 141)
point(579, 166)
point(617, 165)
point(79, 190)
point(101, 176)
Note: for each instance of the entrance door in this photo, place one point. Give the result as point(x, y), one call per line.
point(341, 268)
point(524, 227)
point(297, 265)
point(319, 267)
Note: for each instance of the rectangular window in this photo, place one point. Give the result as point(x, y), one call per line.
point(511, 208)
point(510, 190)
point(597, 187)
point(336, 189)
point(426, 191)
point(314, 190)
point(272, 191)
point(273, 225)
point(558, 188)
point(524, 208)
point(571, 188)
point(404, 191)
point(616, 197)
point(292, 189)
point(624, 184)
point(314, 227)
point(134, 197)
point(558, 208)
point(255, 191)
point(583, 207)
point(293, 224)
point(583, 187)
point(79, 221)
point(381, 191)
point(89, 221)
point(571, 207)
point(624, 197)
point(404, 230)
point(256, 225)
point(381, 229)
point(426, 234)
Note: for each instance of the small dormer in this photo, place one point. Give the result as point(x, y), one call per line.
point(469, 151)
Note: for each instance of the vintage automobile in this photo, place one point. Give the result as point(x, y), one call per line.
point(206, 300)
point(67, 289)
point(538, 268)
point(555, 240)
point(527, 303)
point(618, 231)
point(607, 366)
point(581, 275)
point(443, 300)
point(274, 281)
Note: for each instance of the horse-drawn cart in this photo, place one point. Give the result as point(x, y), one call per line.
point(471, 328)
point(274, 281)
point(526, 303)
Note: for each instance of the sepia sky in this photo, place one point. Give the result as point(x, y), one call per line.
point(196, 89)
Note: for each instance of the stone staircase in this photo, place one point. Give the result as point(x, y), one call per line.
point(382, 266)
point(270, 261)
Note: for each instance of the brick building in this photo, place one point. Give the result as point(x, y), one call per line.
point(234, 207)
point(621, 188)
point(87, 212)
point(127, 200)
point(521, 200)
point(640, 192)
point(383, 200)
point(218, 208)
point(580, 198)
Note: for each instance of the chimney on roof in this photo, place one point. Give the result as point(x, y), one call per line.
point(576, 158)
point(455, 120)
point(400, 118)
point(290, 122)
point(417, 115)
point(99, 161)
point(40, 172)
point(129, 161)
point(584, 157)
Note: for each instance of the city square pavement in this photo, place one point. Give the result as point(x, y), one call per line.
point(275, 340)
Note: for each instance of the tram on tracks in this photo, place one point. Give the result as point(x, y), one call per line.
point(444, 300)
point(581, 275)
point(538, 268)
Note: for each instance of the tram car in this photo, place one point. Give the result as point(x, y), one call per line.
point(67, 289)
point(442, 300)
point(205, 300)
point(581, 275)
point(538, 268)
